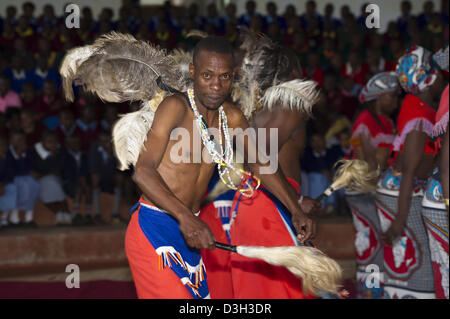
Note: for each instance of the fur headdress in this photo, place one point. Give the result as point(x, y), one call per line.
point(262, 81)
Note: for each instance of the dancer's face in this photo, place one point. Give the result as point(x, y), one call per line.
point(212, 74)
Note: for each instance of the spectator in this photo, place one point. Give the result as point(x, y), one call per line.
point(42, 73)
point(355, 69)
point(17, 73)
point(52, 104)
point(31, 101)
point(105, 21)
point(8, 98)
point(85, 32)
point(314, 33)
point(75, 179)
point(328, 17)
point(230, 14)
point(44, 51)
point(12, 119)
point(273, 32)
point(313, 70)
point(175, 19)
point(48, 17)
point(88, 126)
point(48, 163)
point(256, 24)
point(104, 174)
point(318, 164)
point(49, 32)
point(425, 17)
point(246, 18)
point(311, 15)
point(392, 33)
point(163, 36)
point(405, 18)
point(32, 128)
point(192, 13)
point(273, 17)
point(231, 34)
point(349, 91)
point(8, 190)
point(376, 63)
point(213, 18)
point(25, 31)
point(290, 12)
point(67, 126)
point(7, 38)
point(28, 188)
point(21, 50)
point(329, 32)
point(28, 9)
point(327, 52)
point(361, 20)
point(11, 13)
point(294, 27)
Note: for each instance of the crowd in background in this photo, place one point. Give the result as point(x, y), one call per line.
point(51, 149)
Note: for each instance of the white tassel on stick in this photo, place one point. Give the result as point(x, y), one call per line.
point(319, 273)
point(354, 175)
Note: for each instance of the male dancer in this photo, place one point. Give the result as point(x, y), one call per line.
point(164, 235)
point(262, 220)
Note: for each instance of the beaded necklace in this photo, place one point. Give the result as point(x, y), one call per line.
point(223, 158)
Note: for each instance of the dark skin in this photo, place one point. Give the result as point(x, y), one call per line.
point(385, 105)
point(178, 188)
point(412, 162)
point(291, 125)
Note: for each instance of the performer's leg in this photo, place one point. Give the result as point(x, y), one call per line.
point(151, 282)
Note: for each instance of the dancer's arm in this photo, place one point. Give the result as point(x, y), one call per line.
point(167, 117)
point(412, 155)
point(369, 152)
point(274, 181)
point(444, 166)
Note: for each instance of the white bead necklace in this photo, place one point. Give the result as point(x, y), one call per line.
point(223, 158)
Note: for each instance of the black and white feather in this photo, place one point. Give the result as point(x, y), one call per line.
point(262, 78)
point(119, 68)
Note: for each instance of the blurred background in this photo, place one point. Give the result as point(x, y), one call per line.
point(65, 148)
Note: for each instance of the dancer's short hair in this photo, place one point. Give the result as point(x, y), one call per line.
point(213, 44)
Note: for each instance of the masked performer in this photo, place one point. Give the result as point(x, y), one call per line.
point(434, 211)
point(373, 134)
point(164, 235)
point(273, 97)
point(407, 263)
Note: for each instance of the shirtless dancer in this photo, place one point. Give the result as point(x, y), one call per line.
point(164, 235)
point(262, 219)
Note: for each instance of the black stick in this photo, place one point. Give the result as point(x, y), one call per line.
point(323, 195)
point(225, 247)
point(307, 243)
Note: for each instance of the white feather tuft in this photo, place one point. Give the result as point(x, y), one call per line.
point(295, 95)
point(130, 132)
